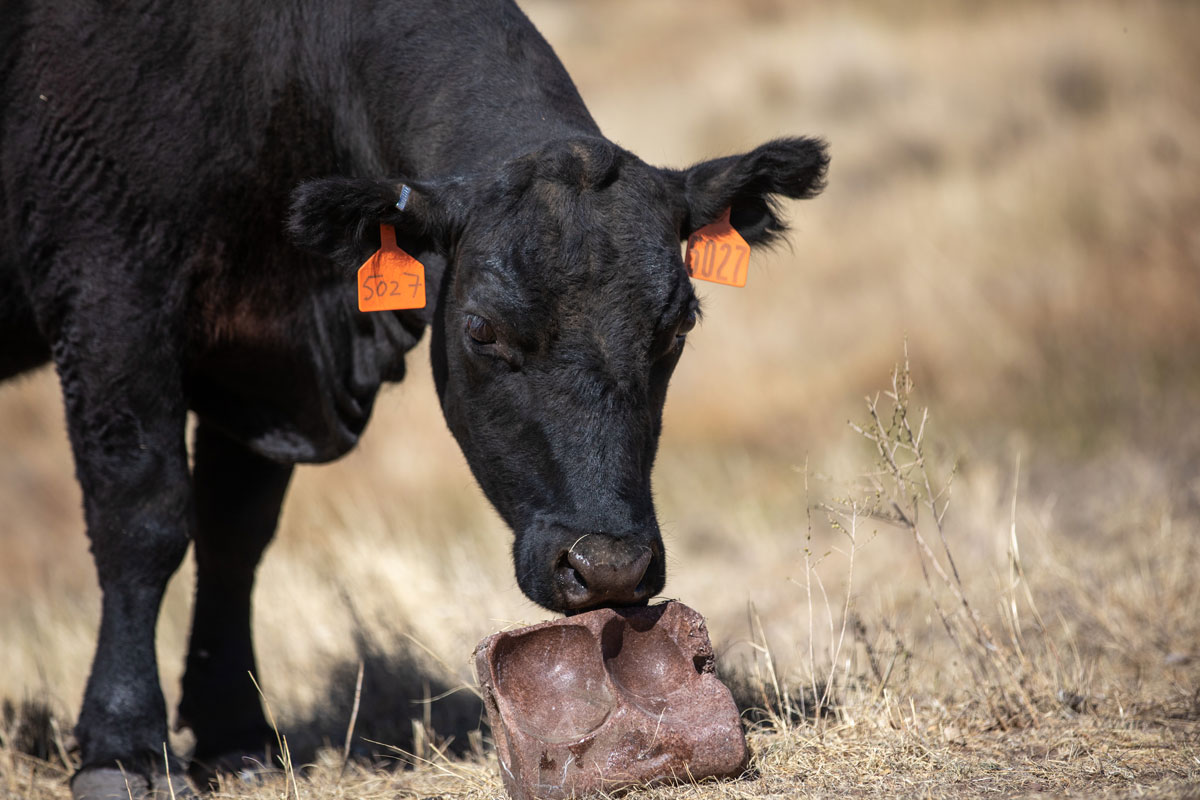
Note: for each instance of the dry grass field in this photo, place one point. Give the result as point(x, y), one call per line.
point(1014, 198)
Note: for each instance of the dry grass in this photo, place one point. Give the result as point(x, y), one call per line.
point(1014, 194)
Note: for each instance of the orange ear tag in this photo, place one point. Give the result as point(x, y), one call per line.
point(391, 279)
point(718, 253)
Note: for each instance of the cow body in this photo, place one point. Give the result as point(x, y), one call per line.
point(171, 239)
point(176, 140)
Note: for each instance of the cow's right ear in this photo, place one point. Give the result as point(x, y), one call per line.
point(339, 218)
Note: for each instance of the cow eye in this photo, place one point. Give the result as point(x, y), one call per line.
point(687, 323)
point(480, 329)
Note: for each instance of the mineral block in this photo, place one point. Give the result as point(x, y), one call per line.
point(608, 699)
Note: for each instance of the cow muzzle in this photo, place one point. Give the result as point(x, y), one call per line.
point(601, 570)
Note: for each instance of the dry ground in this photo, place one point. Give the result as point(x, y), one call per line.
point(1015, 190)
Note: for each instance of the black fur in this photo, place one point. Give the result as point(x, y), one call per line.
point(339, 217)
point(185, 192)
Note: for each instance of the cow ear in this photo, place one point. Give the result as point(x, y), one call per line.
point(339, 218)
point(750, 185)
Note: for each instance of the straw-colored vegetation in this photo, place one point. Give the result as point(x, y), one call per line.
point(997, 598)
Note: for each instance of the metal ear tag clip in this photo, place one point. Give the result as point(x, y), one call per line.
point(404, 193)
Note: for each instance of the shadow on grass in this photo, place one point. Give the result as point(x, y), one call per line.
point(32, 727)
point(407, 703)
point(761, 704)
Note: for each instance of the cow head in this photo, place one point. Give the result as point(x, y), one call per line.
point(560, 314)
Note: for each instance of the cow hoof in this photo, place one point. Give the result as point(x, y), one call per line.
point(245, 766)
point(113, 783)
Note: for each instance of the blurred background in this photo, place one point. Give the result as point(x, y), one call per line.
point(1014, 193)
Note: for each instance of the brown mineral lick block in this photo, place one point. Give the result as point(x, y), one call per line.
point(606, 699)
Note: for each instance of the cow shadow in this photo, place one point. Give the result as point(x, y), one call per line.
point(409, 707)
point(407, 704)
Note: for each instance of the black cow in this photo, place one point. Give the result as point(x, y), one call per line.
point(159, 164)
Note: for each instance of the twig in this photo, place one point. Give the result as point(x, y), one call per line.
point(353, 719)
point(167, 766)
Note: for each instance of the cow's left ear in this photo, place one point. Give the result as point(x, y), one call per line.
point(339, 218)
point(749, 185)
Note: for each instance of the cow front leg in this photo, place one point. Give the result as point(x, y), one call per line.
point(238, 495)
point(126, 417)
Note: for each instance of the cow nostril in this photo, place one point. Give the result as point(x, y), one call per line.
point(578, 576)
point(569, 574)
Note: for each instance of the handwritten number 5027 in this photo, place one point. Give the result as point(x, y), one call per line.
point(377, 286)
